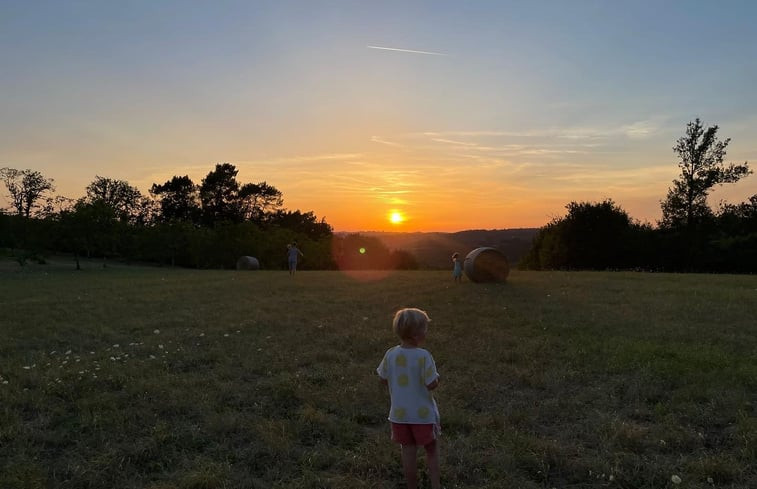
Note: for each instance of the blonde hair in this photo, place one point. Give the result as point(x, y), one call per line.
point(410, 322)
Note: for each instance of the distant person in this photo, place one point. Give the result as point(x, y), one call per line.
point(457, 268)
point(410, 373)
point(292, 254)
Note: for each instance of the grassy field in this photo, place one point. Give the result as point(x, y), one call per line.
point(159, 378)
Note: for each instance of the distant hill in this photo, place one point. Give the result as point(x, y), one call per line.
point(433, 250)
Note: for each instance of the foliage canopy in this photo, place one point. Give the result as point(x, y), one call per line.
point(700, 158)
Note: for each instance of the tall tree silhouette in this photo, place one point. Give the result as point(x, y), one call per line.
point(701, 156)
point(25, 188)
point(258, 200)
point(179, 199)
point(127, 202)
point(219, 195)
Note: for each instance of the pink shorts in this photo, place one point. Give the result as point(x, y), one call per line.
point(414, 434)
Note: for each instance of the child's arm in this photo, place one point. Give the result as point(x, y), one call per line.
point(433, 385)
point(383, 372)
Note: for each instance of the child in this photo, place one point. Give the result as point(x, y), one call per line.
point(292, 254)
point(410, 373)
point(457, 271)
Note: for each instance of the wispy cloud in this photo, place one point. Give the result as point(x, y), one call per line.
point(636, 130)
point(450, 141)
point(413, 51)
point(322, 157)
point(379, 140)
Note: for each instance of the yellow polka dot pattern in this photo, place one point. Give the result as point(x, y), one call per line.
point(429, 372)
point(408, 373)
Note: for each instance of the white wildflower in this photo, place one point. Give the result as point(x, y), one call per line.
point(202, 334)
point(116, 345)
point(675, 479)
point(26, 367)
point(710, 480)
point(160, 346)
point(68, 352)
point(226, 335)
point(156, 331)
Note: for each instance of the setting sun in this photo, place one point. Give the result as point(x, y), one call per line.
point(395, 217)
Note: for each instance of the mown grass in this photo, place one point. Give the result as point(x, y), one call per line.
point(161, 378)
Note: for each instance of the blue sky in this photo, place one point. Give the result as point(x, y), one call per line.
point(512, 110)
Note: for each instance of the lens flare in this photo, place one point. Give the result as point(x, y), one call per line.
point(362, 251)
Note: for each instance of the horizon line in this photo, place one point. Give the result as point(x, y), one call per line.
point(437, 232)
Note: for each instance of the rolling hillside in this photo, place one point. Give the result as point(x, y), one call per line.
point(433, 250)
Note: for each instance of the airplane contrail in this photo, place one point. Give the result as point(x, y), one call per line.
point(407, 50)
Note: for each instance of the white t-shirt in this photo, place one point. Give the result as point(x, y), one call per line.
point(408, 371)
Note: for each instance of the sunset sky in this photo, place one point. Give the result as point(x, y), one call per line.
point(451, 114)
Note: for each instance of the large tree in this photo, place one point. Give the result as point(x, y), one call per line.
point(259, 200)
point(219, 195)
point(306, 223)
point(593, 235)
point(179, 199)
point(127, 202)
point(25, 188)
point(700, 156)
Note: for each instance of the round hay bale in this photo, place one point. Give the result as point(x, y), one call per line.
point(248, 263)
point(486, 265)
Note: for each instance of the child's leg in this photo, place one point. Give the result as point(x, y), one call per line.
point(410, 465)
point(432, 462)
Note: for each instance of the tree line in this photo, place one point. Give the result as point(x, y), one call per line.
point(211, 224)
point(691, 236)
point(179, 223)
